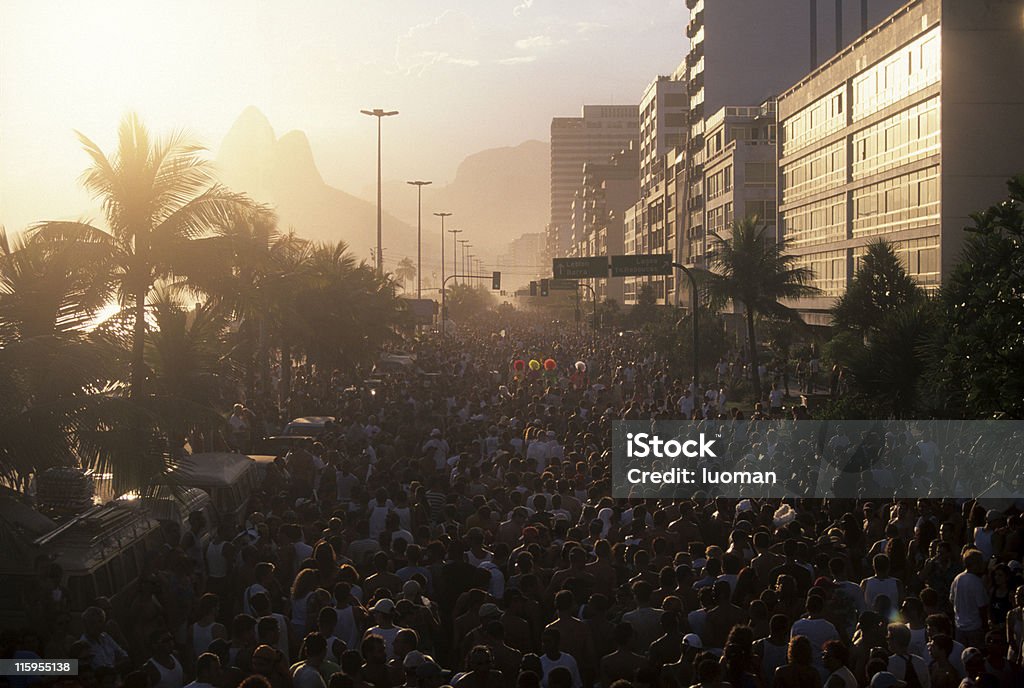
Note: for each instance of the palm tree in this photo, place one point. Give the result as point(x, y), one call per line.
point(405, 271)
point(59, 374)
point(749, 267)
point(161, 204)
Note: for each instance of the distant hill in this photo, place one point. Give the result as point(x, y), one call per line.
point(282, 172)
point(497, 195)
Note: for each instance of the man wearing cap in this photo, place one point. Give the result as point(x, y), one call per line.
point(384, 613)
point(437, 448)
point(487, 613)
point(974, 665)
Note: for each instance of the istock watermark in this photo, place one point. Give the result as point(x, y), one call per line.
point(852, 459)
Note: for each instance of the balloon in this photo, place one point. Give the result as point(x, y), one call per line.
point(581, 366)
point(549, 364)
point(534, 364)
point(519, 364)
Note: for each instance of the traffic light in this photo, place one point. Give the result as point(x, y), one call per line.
point(533, 288)
point(496, 280)
point(544, 287)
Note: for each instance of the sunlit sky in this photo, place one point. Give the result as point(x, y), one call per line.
point(465, 76)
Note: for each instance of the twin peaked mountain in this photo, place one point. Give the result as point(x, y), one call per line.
point(496, 195)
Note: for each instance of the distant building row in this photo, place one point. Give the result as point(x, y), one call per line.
point(801, 113)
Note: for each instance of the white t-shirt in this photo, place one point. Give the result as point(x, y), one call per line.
point(967, 595)
point(818, 631)
point(564, 660)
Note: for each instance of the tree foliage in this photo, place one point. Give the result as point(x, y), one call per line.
point(749, 267)
point(880, 287)
point(978, 353)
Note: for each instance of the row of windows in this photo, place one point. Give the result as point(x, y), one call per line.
point(821, 170)
point(764, 210)
point(920, 258)
point(903, 138)
point(906, 71)
point(829, 269)
point(815, 223)
point(759, 173)
point(719, 218)
point(719, 182)
point(819, 119)
point(905, 202)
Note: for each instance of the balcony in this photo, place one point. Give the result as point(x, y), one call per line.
point(690, 4)
point(697, 82)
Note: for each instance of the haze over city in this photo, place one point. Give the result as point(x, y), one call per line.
point(465, 76)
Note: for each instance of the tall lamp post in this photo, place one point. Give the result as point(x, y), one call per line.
point(465, 252)
point(419, 236)
point(455, 252)
point(379, 114)
point(442, 216)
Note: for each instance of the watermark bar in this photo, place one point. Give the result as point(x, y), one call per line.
point(818, 459)
point(38, 667)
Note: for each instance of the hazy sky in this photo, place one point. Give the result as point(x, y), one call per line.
point(465, 76)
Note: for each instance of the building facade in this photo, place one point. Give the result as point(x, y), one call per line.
point(599, 210)
point(902, 135)
point(599, 132)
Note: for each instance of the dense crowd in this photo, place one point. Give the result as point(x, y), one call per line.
point(453, 526)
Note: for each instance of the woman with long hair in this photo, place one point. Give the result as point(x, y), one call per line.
point(798, 671)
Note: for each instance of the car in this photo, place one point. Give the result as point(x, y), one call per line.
point(308, 426)
point(279, 445)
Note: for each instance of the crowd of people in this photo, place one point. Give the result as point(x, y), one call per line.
point(454, 526)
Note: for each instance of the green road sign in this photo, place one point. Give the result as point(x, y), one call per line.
point(642, 266)
point(563, 284)
point(580, 268)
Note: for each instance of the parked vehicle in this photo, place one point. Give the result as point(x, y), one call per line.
point(309, 426)
point(100, 551)
point(229, 479)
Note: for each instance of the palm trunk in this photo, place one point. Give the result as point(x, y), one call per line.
point(138, 374)
point(755, 375)
point(286, 373)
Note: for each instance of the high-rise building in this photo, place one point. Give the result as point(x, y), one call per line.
point(599, 209)
point(601, 131)
point(524, 258)
point(743, 53)
point(651, 222)
point(902, 135)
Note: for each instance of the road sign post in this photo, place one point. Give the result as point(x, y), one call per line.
point(642, 266)
point(580, 268)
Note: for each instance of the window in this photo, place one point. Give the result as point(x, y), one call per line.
point(727, 178)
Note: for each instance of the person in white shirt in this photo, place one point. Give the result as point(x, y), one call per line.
point(969, 598)
point(816, 629)
point(104, 650)
point(901, 662)
point(835, 656)
point(553, 658)
point(306, 674)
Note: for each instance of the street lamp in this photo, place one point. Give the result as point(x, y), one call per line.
point(465, 250)
point(379, 114)
point(442, 216)
point(419, 235)
point(455, 251)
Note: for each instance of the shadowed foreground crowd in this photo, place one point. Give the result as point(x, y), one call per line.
point(456, 529)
